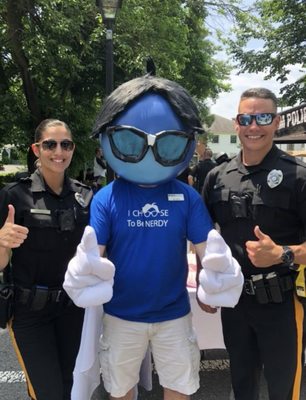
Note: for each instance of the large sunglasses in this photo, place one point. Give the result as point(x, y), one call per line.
point(50, 145)
point(261, 119)
point(130, 144)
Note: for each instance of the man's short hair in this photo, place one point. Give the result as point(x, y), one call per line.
point(260, 93)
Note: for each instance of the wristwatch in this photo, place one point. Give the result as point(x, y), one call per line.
point(288, 256)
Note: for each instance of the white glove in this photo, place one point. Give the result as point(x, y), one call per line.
point(89, 277)
point(221, 279)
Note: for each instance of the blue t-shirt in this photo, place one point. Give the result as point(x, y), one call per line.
point(145, 231)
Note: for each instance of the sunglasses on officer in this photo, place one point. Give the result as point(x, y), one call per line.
point(130, 144)
point(50, 144)
point(262, 119)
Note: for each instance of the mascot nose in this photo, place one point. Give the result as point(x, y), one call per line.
point(151, 139)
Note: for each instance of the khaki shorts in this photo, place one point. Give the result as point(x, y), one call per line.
point(174, 348)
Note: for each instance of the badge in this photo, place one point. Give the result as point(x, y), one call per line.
point(80, 199)
point(274, 178)
point(175, 197)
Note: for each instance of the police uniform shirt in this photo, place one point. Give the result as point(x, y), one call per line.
point(200, 171)
point(55, 222)
point(271, 195)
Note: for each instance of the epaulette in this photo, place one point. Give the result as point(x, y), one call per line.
point(293, 160)
point(228, 159)
point(11, 185)
point(80, 184)
point(227, 162)
point(24, 179)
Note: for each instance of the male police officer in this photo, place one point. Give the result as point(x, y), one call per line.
point(259, 201)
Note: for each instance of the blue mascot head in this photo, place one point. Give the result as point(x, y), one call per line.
point(147, 129)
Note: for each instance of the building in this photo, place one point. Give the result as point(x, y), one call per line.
point(291, 135)
point(222, 136)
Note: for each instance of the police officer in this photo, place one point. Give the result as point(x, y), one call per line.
point(43, 218)
point(201, 169)
point(258, 200)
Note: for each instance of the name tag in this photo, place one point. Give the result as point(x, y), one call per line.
point(176, 197)
point(38, 211)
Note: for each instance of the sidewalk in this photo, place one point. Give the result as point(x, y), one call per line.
point(13, 168)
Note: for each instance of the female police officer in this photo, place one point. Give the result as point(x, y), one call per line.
point(43, 219)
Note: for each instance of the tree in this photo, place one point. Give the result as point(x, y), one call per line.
point(280, 25)
point(49, 57)
point(52, 60)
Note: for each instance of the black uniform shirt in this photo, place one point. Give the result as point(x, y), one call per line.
point(271, 195)
point(55, 222)
point(200, 171)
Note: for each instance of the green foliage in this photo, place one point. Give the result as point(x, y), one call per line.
point(52, 61)
point(280, 26)
point(58, 54)
point(6, 178)
point(5, 157)
point(13, 156)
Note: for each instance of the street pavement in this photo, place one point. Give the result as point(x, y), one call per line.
point(215, 378)
point(12, 168)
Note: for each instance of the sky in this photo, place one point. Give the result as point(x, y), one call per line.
point(227, 103)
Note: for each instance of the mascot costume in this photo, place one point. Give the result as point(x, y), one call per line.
point(133, 257)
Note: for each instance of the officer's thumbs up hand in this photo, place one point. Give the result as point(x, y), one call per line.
point(263, 252)
point(11, 234)
point(11, 214)
point(259, 234)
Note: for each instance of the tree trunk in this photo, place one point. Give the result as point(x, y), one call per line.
point(16, 9)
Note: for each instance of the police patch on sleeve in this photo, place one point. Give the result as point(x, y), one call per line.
point(274, 178)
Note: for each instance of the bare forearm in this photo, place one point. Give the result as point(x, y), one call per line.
point(200, 249)
point(264, 252)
